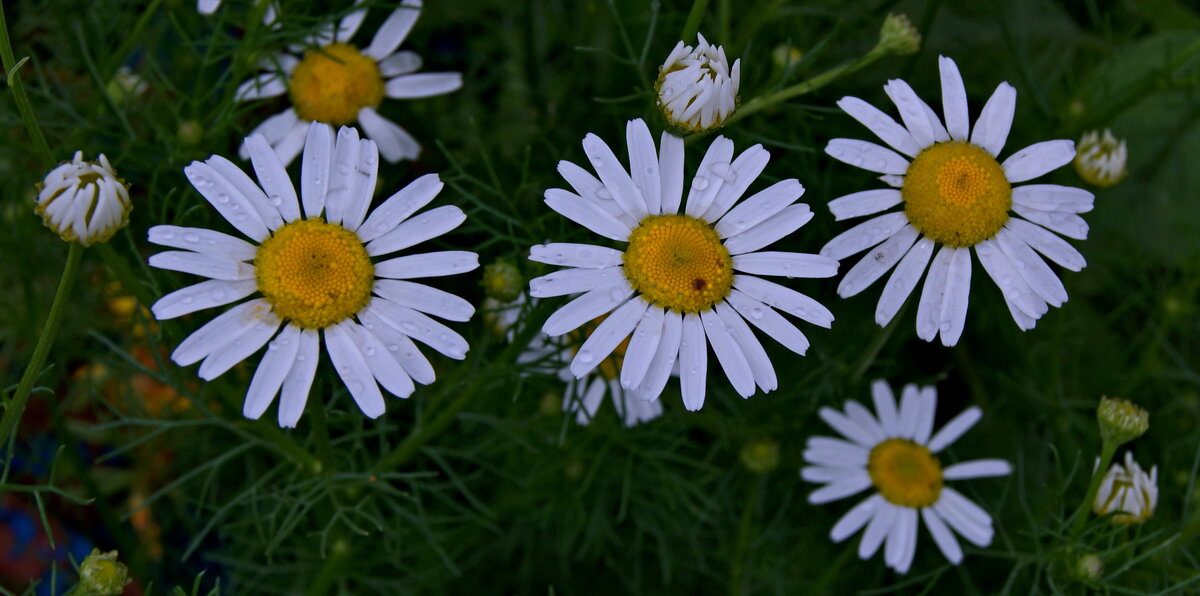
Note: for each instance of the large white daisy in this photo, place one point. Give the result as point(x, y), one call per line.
point(894, 451)
point(337, 83)
point(315, 274)
point(673, 289)
point(956, 195)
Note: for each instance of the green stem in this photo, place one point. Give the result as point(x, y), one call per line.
point(881, 337)
point(1107, 450)
point(415, 441)
point(743, 538)
point(693, 21)
point(16, 406)
point(324, 449)
point(22, 100)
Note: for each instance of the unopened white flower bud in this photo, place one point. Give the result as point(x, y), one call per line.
point(84, 201)
point(697, 88)
point(1100, 160)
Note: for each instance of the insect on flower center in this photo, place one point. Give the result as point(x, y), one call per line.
point(678, 262)
point(333, 83)
point(314, 273)
point(905, 473)
point(956, 194)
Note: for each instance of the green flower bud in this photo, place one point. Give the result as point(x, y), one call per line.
point(760, 455)
point(502, 281)
point(1089, 568)
point(101, 574)
point(1121, 421)
point(898, 36)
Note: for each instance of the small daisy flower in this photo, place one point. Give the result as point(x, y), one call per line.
point(338, 83)
point(1101, 159)
point(697, 89)
point(1129, 492)
point(84, 201)
point(674, 288)
point(895, 451)
point(958, 197)
point(315, 275)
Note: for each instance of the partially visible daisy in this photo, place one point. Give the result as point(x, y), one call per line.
point(674, 290)
point(1101, 159)
point(958, 197)
point(207, 6)
point(338, 83)
point(1129, 492)
point(895, 451)
point(84, 201)
point(315, 275)
point(697, 88)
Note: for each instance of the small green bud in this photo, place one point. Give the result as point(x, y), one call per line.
point(101, 574)
point(760, 455)
point(898, 36)
point(502, 281)
point(190, 133)
point(1121, 421)
point(1089, 568)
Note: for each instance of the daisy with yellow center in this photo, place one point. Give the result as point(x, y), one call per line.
point(687, 279)
point(956, 195)
point(315, 275)
point(338, 83)
point(895, 452)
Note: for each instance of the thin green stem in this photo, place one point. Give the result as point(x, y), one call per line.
point(324, 449)
point(16, 406)
point(1107, 450)
point(22, 100)
point(415, 441)
point(881, 337)
point(692, 25)
point(743, 538)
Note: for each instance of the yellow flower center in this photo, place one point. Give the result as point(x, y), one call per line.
point(314, 273)
point(678, 262)
point(956, 194)
point(905, 473)
point(332, 84)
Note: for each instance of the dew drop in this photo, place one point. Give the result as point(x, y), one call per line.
point(222, 199)
point(395, 348)
point(603, 194)
point(617, 295)
point(368, 351)
point(301, 357)
point(720, 169)
point(273, 346)
point(186, 300)
point(218, 295)
point(191, 237)
point(586, 253)
point(276, 200)
point(559, 258)
point(168, 235)
point(585, 356)
point(699, 183)
point(355, 386)
point(756, 313)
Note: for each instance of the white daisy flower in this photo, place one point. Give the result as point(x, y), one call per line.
point(1129, 492)
point(894, 451)
point(84, 201)
point(1101, 159)
point(958, 196)
point(207, 6)
point(697, 89)
point(674, 287)
point(337, 83)
point(315, 275)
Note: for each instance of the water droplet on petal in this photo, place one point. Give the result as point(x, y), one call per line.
point(585, 356)
point(699, 183)
point(395, 348)
point(191, 237)
point(368, 351)
point(756, 313)
point(186, 300)
point(603, 194)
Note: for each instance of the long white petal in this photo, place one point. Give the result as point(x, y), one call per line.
point(768, 321)
point(954, 429)
point(353, 370)
point(587, 307)
point(693, 363)
point(902, 281)
point(1054, 248)
point(733, 362)
point(954, 301)
point(394, 142)
point(403, 350)
point(786, 264)
point(769, 231)
point(954, 100)
point(995, 120)
point(570, 281)
point(980, 468)
point(204, 241)
point(314, 170)
point(400, 206)
point(273, 177)
point(670, 166)
point(428, 300)
point(272, 369)
point(587, 214)
point(261, 86)
point(433, 264)
point(879, 528)
point(877, 262)
point(380, 361)
point(1032, 268)
point(426, 226)
point(568, 254)
point(231, 204)
point(249, 338)
point(614, 176)
point(738, 176)
point(864, 235)
point(1053, 197)
point(929, 309)
point(1037, 159)
point(885, 408)
point(424, 84)
point(420, 327)
point(856, 518)
point(760, 207)
point(942, 536)
point(927, 409)
point(664, 359)
point(643, 344)
point(756, 356)
point(884, 127)
point(294, 394)
point(394, 30)
point(785, 299)
point(867, 202)
point(912, 112)
point(705, 185)
point(607, 335)
point(205, 265)
point(341, 173)
point(644, 165)
point(205, 294)
point(867, 155)
point(841, 489)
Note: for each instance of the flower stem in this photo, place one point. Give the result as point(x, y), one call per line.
point(1107, 449)
point(693, 21)
point(881, 337)
point(11, 66)
point(16, 406)
point(743, 538)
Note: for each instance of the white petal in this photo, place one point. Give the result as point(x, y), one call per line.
point(250, 338)
point(884, 127)
point(570, 281)
point(428, 300)
point(856, 518)
point(432, 264)
point(204, 241)
point(1054, 248)
point(380, 361)
point(398, 64)
point(738, 176)
point(585, 185)
point(954, 100)
point(877, 262)
point(205, 294)
point(954, 301)
point(1052, 197)
point(927, 408)
point(341, 174)
point(885, 408)
point(272, 369)
point(769, 321)
point(314, 169)
point(294, 393)
point(910, 411)
point(400, 206)
point(421, 328)
point(608, 334)
point(828, 451)
point(764, 205)
point(576, 255)
point(231, 204)
point(892, 180)
point(980, 468)
point(705, 186)
point(902, 541)
point(1032, 268)
point(1017, 293)
point(847, 427)
point(207, 6)
point(1037, 159)
point(912, 112)
point(942, 535)
point(643, 345)
point(826, 475)
point(954, 429)
point(904, 278)
point(587, 214)
point(1067, 224)
point(394, 142)
point(402, 349)
point(768, 232)
point(785, 299)
point(216, 332)
point(587, 307)
point(729, 354)
point(349, 24)
point(274, 129)
point(643, 164)
point(861, 416)
point(202, 264)
point(425, 84)
point(428, 225)
point(393, 30)
point(995, 120)
point(693, 363)
point(235, 178)
point(261, 86)
point(965, 517)
point(841, 489)
point(273, 177)
point(756, 356)
point(867, 155)
point(867, 202)
point(864, 235)
point(292, 143)
point(787, 264)
point(616, 179)
point(352, 368)
point(879, 528)
point(664, 358)
point(670, 166)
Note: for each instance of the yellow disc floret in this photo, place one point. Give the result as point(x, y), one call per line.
point(333, 83)
point(956, 194)
point(314, 273)
point(678, 262)
point(905, 473)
